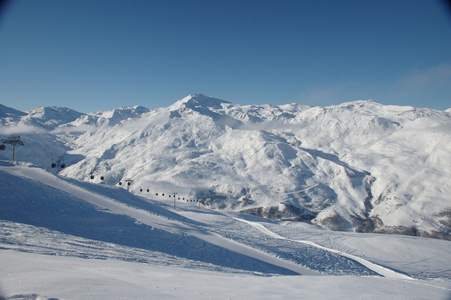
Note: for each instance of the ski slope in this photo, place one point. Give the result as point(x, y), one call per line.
point(63, 238)
point(382, 271)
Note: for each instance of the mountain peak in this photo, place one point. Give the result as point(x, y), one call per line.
point(44, 111)
point(117, 115)
point(198, 100)
point(50, 116)
point(6, 111)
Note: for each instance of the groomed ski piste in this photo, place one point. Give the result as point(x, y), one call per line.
point(66, 239)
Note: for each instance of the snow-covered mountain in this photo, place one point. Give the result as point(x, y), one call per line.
point(359, 166)
point(10, 115)
point(50, 117)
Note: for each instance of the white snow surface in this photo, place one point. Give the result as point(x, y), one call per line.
point(359, 166)
point(62, 238)
point(202, 173)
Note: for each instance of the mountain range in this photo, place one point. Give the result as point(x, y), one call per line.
point(358, 166)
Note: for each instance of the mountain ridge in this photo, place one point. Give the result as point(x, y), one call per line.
point(359, 166)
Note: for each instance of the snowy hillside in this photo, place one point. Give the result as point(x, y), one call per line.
point(359, 166)
point(62, 238)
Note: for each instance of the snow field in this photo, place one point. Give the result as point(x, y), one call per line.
point(71, 267)
point(75, 278)
point(358, 166)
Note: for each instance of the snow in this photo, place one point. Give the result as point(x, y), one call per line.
point(389, 164)
point(67, 239)
point(9, 114)
point(101, 279)
point(50, 116)
point(200, 168)
point(376, 268)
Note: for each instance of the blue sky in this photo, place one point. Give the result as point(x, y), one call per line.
point(93, 55)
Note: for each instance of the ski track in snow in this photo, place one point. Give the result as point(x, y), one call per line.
point(153, 220)
point(211, 226)
point(184, 223)
point(372, 266)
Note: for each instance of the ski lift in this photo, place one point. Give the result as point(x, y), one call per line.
point(120, 182)
point(53, 164)
point(156, 194)
point(92, 176)
point(63, 165)
point(147, 190)
point(102, 178)
point(2, 147)
point(140, 190)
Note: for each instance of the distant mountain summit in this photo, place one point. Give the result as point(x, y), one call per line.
point(194, 101)
point(117, 115)
point(359, 166)
point(8, 114)
point(50, 116)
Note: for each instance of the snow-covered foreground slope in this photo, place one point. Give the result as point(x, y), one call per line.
point(68, 239)
point(359, 166)
point(75, 278)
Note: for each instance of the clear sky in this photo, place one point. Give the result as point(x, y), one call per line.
point(92, 55)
